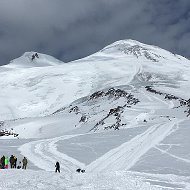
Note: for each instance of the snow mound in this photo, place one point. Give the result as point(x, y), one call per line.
point(34, 59)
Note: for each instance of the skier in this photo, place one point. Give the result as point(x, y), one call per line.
point(12, 161)
point(24, 162)
point(57, 167)
point(3, 162)
point(6, 163)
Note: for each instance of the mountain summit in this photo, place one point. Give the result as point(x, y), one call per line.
point(34, 59)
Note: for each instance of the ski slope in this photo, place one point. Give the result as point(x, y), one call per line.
point(126, 155)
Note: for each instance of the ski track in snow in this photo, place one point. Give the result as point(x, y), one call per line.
point(126, 155)
point(174, 156)
point(43, 154)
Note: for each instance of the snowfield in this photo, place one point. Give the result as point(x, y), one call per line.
point(122, 114)
point(48, 181)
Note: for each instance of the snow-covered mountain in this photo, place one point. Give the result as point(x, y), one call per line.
point(42, 90)
point(33, 59)
point(125, 107)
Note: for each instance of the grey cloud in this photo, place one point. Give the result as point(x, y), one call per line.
point(69, 29)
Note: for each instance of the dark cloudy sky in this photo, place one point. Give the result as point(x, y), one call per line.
point(71, 29)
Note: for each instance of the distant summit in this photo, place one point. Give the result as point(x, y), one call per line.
point(34, 59)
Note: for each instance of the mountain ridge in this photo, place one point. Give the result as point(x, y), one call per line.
point(41, 90)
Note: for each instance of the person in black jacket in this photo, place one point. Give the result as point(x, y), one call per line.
point(57, 167)
point(3, 162)
point(12, 161)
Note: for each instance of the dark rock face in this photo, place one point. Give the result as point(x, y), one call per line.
point(35, 56)
point(136, 50)
point(74, 109)
point(182, 102)
point(94, 101)
point(7, 133)
point(97, 95)
point(114, 93)
point(59, 111)
point(117, 111)
point(83, 119)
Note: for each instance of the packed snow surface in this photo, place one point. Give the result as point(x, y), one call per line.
point(122, 114)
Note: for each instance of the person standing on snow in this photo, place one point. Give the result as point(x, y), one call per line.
point(6, 163)
point(12, 161)
point(57, 167)
point(15, 161)
point(3, 162)
point(24, 162)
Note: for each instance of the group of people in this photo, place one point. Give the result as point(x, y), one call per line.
point(4, 162)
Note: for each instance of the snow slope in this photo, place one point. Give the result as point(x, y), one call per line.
point(124, 108)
